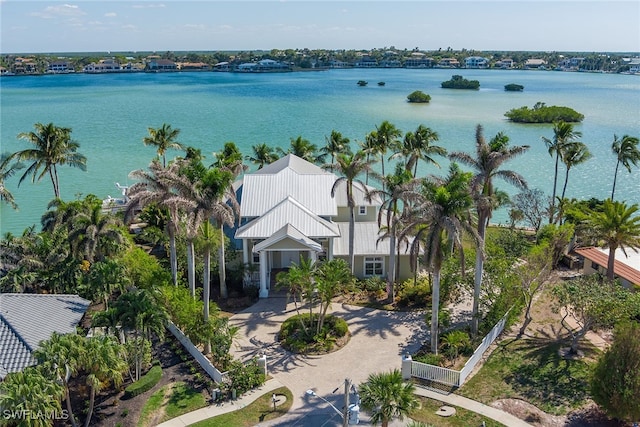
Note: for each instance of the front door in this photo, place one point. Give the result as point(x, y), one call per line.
point(289, 257)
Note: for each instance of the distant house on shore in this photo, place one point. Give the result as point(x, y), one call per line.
point(505, 64)
point(534, 63)
point(626, 268)
point(159, 64)
point(418, 60)
point(59, 67)
point(287, 213)
point(103, 66)
point(448, 63)
point(476, 62)
point(263, 66)
point(28, 319)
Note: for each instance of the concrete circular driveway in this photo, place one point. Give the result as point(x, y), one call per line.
point(378, 340)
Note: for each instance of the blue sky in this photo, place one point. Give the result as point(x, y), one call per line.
point(156, 25)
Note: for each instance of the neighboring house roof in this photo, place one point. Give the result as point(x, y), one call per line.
point(28, 319)
point(288, 211)
point(288, 176)
point(626, 267)
point(288, 233)
point(366, 240)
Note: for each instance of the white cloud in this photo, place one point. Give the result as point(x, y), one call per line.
point(64, 10)
point(110, 15)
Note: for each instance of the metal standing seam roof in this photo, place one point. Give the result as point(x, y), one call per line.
point(28, 319)
point(288, 232)
point(620, 268)
point(288, 211)
point(366, 240)
point(288, 176)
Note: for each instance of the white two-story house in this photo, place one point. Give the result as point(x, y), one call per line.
point(288, 213)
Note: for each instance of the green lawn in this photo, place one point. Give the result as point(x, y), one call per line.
point(533, 370)
point(462, 418)
point(182, 399)
point(259, 411)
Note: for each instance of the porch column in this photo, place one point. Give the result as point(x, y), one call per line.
point(264, 293)
point(313, 256)
point(330, 249)
point(245, 251)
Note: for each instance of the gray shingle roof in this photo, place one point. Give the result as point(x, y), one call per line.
point(28, 319)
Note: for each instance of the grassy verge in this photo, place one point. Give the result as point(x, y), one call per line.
point(259, 411)
point(533, 370)
point(179, 399)
point(462, 418)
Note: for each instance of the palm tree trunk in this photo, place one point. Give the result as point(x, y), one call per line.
point(564, 187)
point(191, 267)
point(56, 192)
point(555, 184)
point(67, 399)
point(173, 257)
point(221, 266)
point(615, 177)
point(435, 307)
point(391, 276)
point(611, 262)
point(92, 398)
point(206, 293)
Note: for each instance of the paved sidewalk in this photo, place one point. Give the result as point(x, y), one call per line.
point(222, 408)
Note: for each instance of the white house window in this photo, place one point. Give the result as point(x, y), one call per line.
point(373, 266)
point(256, 258)
point(362, 210)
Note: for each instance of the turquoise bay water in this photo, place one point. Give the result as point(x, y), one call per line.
point(110, 114)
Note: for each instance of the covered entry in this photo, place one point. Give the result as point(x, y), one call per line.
point(281, 250)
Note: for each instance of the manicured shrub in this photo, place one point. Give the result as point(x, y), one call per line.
point(145, 383)
point(243, 378)
point(414, 294)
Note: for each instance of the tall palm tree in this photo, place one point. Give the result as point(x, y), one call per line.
point(438, 223)
point(155, 187)
point(369, 147)
point(351, 167)
point(386, 396)
point(417, 146)
point(209, 239)
point(616, 226)
point(230, 158)
point(386, 138)
point(60, 357)
point(335, 144)
point(96, 235)
point(573, 155)
point(563, 136)
point(488, 160)
point(399, 190)
point(627, 153)
point(304, 149)
point(53, 147)
point(262, 155)
point(104, 362)
point(29, 392)
point(163, 138)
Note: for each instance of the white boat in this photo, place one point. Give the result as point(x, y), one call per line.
point(116, 204)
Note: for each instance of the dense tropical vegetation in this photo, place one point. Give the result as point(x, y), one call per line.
point(459, 82)
point(139, 282)
point(542, 113)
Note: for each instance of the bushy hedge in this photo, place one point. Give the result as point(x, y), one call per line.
point(458, 82)
point(145, 383)
point(293, 338)
point(541, 113)
point(412, 294)
point(418, 97)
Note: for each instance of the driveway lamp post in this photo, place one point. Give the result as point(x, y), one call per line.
point(349, 414)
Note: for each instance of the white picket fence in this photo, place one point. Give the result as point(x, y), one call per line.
point(450, 377)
